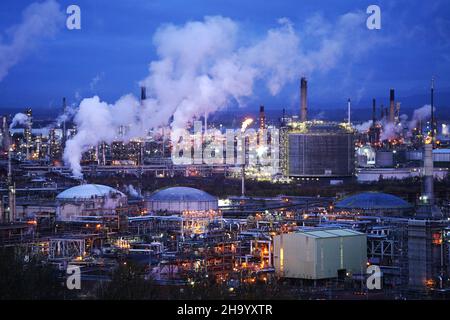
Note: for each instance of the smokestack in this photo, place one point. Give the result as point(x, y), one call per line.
point(433, 120)
point(349, 112)
point(9, 167)
point(243, 167)
point(12, 203)
point(5, 132)
point(392, 106)
point(374, 117)
point(262, 118)
point(428, 173)
point(64, 129)
point(143, 93)
point(303, 99)
point(27, 132)
point(103, 153)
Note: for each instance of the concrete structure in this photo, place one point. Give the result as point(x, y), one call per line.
point(303, 99)
point(391, 106)
point(181, 199)
point(88, 200)
point(320, 254)
point(262, 118)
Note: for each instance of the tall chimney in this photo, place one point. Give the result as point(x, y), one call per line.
point(428, 172)
point(303, 99)
point(374, 117)
point(349, 112)
point(64, 129)
point(433, 120)
point(143, 93)
point(392, 106)
point(262, 118)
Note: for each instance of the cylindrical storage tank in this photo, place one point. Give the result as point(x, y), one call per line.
point(384, 159)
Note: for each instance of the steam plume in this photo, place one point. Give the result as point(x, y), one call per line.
point(39, 21)
point(19, 118)
point(202, 66)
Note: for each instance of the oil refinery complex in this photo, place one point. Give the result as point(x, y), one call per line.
point(184, 236)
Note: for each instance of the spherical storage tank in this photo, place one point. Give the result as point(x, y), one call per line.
point(180, 199)
point(374, 203)
point(88, 199)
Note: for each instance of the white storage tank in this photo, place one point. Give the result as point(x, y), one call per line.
point(87, 200)
point(181, 199)
point(320, 254)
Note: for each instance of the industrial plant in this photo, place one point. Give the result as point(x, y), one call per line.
point(135, 203)
point(237, 151)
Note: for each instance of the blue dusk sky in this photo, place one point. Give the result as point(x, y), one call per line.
point(111, 53)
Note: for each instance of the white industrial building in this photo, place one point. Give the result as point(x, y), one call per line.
point(88, 200)
point(320, 254)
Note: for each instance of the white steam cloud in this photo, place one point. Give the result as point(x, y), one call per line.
point(19, 118)
point(202, 66)
point(391, 130)
point(420, 114)
point(364, 127)
point(39, 21)
point(131, 190)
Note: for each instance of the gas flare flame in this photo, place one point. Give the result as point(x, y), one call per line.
point(246, 123)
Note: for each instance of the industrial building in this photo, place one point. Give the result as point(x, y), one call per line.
point(320, 254)
point(428, 253)
point(318, 149)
